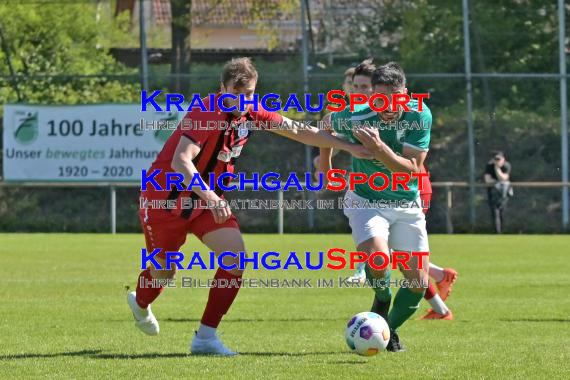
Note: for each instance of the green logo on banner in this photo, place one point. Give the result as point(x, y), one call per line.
point(161, 135)
point(27, 129)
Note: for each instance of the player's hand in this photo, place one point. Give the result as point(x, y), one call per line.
point(369, 137)
point(221, 212)
point(361, 151)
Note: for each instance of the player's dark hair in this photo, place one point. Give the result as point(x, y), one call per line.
point(365, 68)
point(389, 74)
point(238, 72)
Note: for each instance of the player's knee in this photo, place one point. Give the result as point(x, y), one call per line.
point(418, 279)
point(377, 273)
point(420, 284)
point(244, 262)
point(237, 262)
point(417, 289)
point(380, 261)
point(241, 263)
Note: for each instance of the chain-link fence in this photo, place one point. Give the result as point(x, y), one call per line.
point(492, 69)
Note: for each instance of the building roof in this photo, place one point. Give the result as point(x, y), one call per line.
point(234, 24)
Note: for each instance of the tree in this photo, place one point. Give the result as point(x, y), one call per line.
point(181, 26)
point(48, 45)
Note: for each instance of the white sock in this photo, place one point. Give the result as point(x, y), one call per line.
point(206, 332)
point(436, 272)
point(438, 305)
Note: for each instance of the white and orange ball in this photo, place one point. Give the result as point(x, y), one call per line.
point(367, 334)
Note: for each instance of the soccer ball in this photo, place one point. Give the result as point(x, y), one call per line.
point(367, 333)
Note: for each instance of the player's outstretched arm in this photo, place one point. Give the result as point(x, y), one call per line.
point(182, 163)
point(327, 121)
point(320, 138)
point(323, 162)
point(325, 154)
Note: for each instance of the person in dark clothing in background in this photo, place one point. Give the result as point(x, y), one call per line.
point(497, 178)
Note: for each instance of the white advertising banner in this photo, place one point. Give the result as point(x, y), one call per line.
point(102, 142)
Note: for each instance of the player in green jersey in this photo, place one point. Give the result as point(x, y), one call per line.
point(361, 80)
point(400, 141)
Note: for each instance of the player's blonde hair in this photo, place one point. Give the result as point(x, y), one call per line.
point(349, 72)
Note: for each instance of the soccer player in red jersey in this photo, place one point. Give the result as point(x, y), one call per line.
point(194, 151)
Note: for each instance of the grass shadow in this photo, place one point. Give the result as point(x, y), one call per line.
point(248, 320)
point(98, 354)
point(241, 320)
point(54, 355)
point(293, 354)
point(156, 355)
point(149, 355)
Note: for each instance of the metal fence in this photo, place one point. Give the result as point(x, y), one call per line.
point(470, 129)
point(446, 188)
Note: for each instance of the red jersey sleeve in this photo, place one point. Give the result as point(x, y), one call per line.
point(266, 116)
point(195, 131)
point(426, 182)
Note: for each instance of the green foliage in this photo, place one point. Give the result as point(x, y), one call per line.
point(371, 29)
point(517, 36)
point(47, 40)
point(266, 13)
point(424, 36)
point(432, 31)
point(47, 43)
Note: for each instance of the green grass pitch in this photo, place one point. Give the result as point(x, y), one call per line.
point(63, 314)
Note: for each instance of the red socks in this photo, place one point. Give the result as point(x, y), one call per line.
point(146, 293)
point(220, 298)
point(430, 291)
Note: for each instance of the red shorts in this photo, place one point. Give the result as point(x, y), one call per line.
point(164, 230)
point(426, 198)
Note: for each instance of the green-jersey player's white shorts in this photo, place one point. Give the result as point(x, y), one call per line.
point(404, 228)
